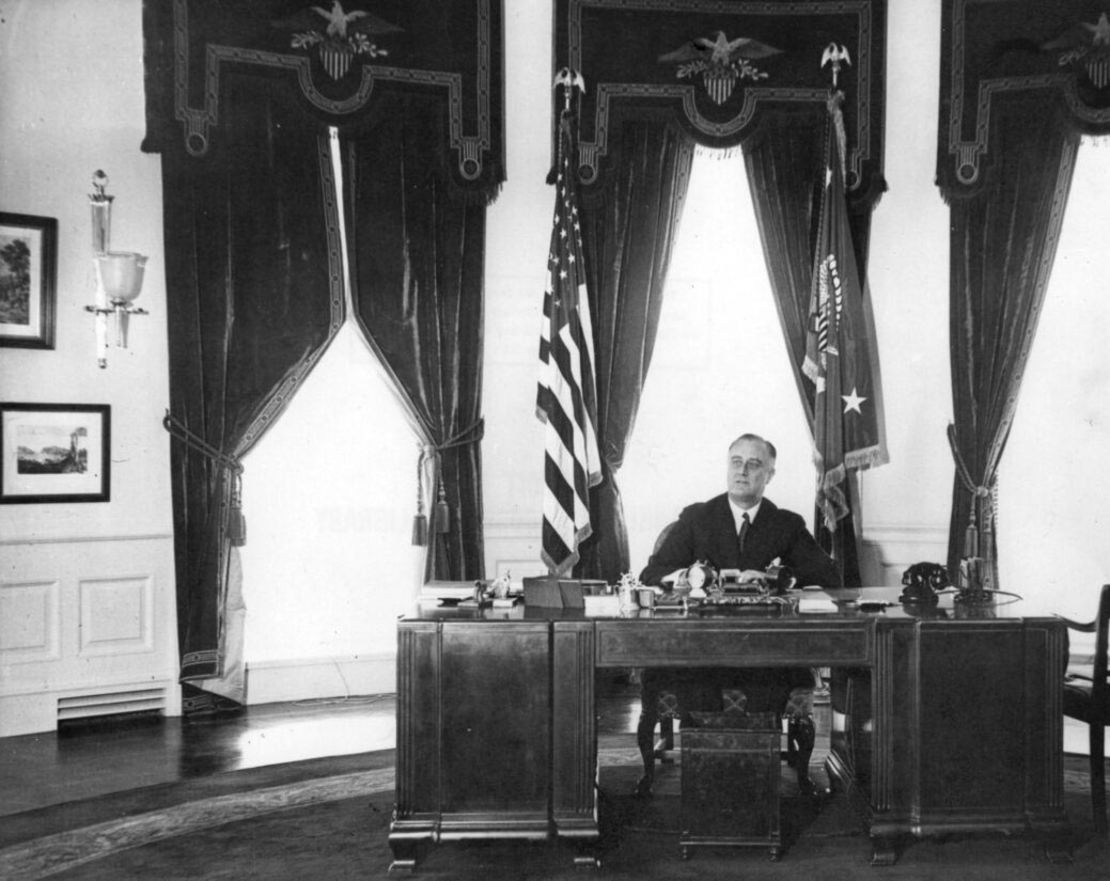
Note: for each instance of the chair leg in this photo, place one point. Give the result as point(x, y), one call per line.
point(1098, 775)
point(801, 735)
point(645, 740)
point(666, 737)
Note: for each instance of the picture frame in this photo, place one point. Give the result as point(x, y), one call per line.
point(28, 280)
point(55, 453)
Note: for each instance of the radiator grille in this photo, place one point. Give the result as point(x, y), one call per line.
point(112, 703)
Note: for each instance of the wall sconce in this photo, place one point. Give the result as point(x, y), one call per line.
point(119, 274)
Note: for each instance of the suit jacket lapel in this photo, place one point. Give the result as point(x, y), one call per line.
point(726, 549)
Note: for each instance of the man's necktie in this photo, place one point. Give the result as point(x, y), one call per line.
point(745, 525)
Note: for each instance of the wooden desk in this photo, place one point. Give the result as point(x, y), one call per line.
point(946, 720)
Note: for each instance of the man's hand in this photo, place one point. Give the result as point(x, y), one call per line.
point(750, 575)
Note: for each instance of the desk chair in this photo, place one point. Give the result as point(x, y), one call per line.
point(669, 694)
point(1087, 698)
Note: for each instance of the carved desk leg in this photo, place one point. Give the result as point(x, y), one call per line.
point(884, 850)
point(406, 855)
point(1057, 850)
point(586, 859)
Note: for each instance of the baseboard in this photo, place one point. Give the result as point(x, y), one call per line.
point(38, 712)
point(312, 678)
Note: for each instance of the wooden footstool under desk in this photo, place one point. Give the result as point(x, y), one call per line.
point(730, 782)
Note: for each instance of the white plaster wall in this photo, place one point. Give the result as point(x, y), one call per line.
point(71, 101)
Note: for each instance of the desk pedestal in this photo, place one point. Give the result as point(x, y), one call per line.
point(957, 727)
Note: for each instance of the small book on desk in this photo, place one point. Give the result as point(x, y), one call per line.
point(488, 602)
point(817, 604)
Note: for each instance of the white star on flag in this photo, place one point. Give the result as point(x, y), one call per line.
point(852, 401)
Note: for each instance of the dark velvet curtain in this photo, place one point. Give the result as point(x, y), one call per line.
point(628, 232)
point(785, 160)
point(1003, 241)
point(252, 301)
point(417, 251)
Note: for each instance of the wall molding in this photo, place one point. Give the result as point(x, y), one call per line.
point(886, 549)
point(78, 539)
point(293, 679)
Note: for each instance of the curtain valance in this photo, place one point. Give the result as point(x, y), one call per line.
point(723, 68)
point(343, 62)
point(1010, 57)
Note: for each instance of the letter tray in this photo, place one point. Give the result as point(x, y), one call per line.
point(730, 782)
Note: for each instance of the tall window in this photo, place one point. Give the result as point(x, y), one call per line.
point(1054, 479)
point(720, 366)
point(328, 495)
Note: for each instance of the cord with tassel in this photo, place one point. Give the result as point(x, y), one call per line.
point(443, 513)
point(420, 520)
point(471, 434)
point(236, 522)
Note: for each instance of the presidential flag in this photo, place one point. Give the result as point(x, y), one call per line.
point(841, 357)
point(566, 401)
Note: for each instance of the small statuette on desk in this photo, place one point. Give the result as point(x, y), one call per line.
point(499, 589)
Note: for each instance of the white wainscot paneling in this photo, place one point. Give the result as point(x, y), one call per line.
point(87, 627)
point(513, 546)
point(117, 615)
point(887, 551)
point(29, 625)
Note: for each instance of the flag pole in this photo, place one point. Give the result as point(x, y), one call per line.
point(841, 358)
point(566, 399)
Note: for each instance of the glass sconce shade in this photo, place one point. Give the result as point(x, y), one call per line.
point(121, 274)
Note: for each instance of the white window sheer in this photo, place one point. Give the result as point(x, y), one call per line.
point(1054, 477)
point(328, 495)
point(720, 366)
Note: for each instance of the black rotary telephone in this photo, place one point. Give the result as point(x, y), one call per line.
point(922, 581)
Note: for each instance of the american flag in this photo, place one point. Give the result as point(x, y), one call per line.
point(841, 356)
point(566, 401)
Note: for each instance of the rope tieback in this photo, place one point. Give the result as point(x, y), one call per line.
point(981, 495)
point(469, 435)
point(236, 522)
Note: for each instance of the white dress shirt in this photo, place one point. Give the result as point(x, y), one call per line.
point(738, 513)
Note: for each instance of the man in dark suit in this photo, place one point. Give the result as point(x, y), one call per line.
point(716, 532)
point(739, 529)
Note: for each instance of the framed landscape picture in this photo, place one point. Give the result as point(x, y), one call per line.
point(28, 273)
point(54, 453)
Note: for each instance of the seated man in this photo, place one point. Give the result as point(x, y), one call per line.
point(739, 529)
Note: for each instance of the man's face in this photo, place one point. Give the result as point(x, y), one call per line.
point(749, 469)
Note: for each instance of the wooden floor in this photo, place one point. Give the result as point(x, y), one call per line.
point(40, 770)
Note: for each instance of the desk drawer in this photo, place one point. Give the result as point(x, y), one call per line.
point(739, 642)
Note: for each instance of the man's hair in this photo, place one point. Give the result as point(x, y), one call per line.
point(770, 447)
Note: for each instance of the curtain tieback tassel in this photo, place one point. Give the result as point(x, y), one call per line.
point(419, 519)
point(443, 514)
point(419, 529)
point(236, 522)
point(237, 527)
